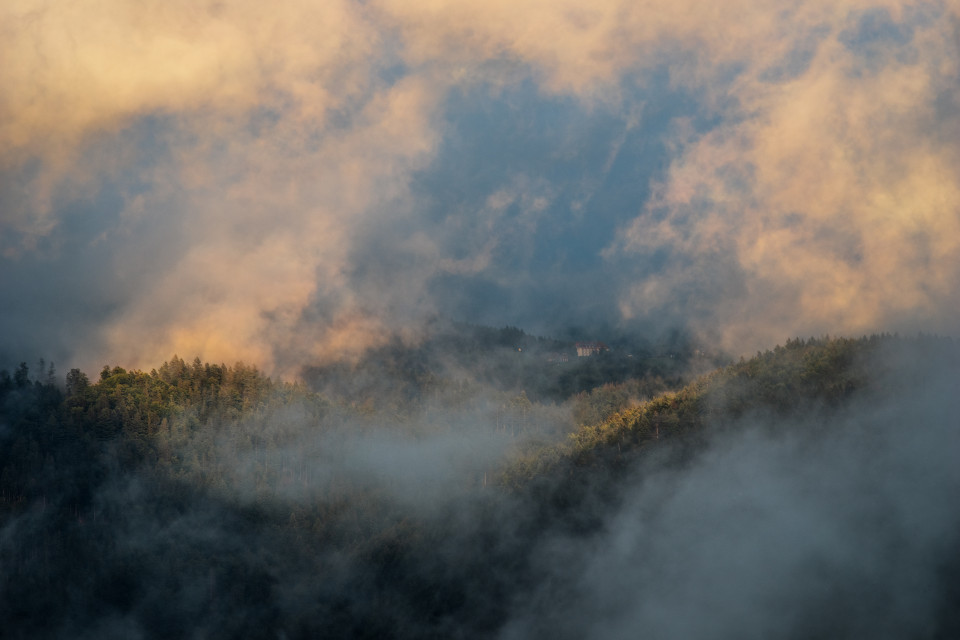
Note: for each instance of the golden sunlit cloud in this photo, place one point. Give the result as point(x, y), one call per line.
point(825, 197)
point(838, 198)
point(266, 189)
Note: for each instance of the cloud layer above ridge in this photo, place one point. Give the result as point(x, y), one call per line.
point(291, 184)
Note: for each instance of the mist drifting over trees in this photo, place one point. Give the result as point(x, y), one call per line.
point(806, 492)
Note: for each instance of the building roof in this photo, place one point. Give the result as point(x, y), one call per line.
point(591, 345)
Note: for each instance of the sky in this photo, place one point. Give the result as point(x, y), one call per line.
point(291, 184)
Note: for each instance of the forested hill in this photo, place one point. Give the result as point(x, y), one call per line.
point(398, 374)
point(809, 491)
point(802, 377)
point(138, 419)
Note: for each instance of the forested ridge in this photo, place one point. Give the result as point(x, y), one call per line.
point(208, 500)
point(809, 375)
point(398, 375)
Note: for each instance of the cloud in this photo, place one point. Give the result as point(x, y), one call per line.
point(283, 185)
point(251, 166)
point(836, 198)
point(81, 68)
point(833, 522)
point(268, 230)
point(83, 71)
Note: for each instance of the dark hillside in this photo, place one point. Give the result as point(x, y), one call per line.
point(720, 497)
point(807, 492)
point(399, 375)
point(803, 377)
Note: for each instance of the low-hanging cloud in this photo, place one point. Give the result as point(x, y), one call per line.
point(823, 524)
point(248, 167)
point(834, 200)
point(282, 185)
